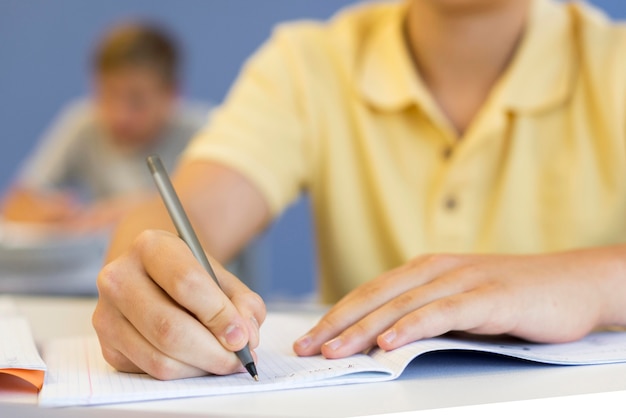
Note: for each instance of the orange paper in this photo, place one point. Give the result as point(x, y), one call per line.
point(34, 377)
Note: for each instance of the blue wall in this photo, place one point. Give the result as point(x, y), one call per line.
point(44, 49)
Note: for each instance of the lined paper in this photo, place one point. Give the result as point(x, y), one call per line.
point(78, 375)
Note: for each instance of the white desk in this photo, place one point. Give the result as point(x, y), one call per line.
point(437, 381)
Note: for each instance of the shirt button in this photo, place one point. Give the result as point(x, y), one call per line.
point(451, 203)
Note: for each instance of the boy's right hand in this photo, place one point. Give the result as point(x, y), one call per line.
point(160, 313)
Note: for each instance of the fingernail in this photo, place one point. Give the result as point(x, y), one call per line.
point(389, 335)
point(234, 334)
point(335, 343)
point(304, 341)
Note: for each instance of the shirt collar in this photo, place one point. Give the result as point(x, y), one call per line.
point(539, 77)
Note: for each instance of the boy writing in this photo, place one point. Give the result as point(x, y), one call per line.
point(466, 161)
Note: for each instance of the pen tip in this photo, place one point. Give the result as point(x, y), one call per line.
point(251, 368)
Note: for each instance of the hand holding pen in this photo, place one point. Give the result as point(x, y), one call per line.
point(161, 313)
point(187, 234)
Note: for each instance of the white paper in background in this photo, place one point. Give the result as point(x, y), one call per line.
point(7, 306)
point(17, 347)
point(36, 259)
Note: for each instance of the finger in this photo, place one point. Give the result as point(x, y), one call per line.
point(249, 304)
point(172, 266)
point(460, 312)
point(363, 334)
point(104, 322)
point(170, 329)
point(119, 361)
point(128, 351)
point(371, 296)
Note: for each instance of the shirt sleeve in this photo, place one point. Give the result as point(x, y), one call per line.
point(260, 129)
point(50, 166)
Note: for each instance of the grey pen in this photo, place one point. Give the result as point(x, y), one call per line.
point(187, 234)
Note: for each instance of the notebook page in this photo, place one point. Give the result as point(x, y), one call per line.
point(596, 348)
point(18, 353)
point(78, 375)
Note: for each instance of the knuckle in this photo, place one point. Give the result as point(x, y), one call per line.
point(361, 330)
point(114, 358)
point(462, 278)
point(119, 361)
point(423, 324)
point(448, 307)
point(250, 300)
point(185, 282)
point(255, 300)
point(329, 322)
point(371, 289)
point(161, 367)
point(109, 280)
point(97, 320)
point(166, 332)
point(403, 302)
point(144, 240)
point(257, 304)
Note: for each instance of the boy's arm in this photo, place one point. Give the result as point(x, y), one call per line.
point(226, 211)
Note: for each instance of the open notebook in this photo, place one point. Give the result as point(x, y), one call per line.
point(78, 375)
point(18, 354)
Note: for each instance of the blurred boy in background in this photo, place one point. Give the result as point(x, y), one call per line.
point(89, 169)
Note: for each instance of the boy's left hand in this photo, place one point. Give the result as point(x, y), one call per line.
point(548, 298)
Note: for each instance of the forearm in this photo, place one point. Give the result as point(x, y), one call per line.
point(150, 214)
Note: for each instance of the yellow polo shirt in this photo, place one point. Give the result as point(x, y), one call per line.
point(337, 110)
